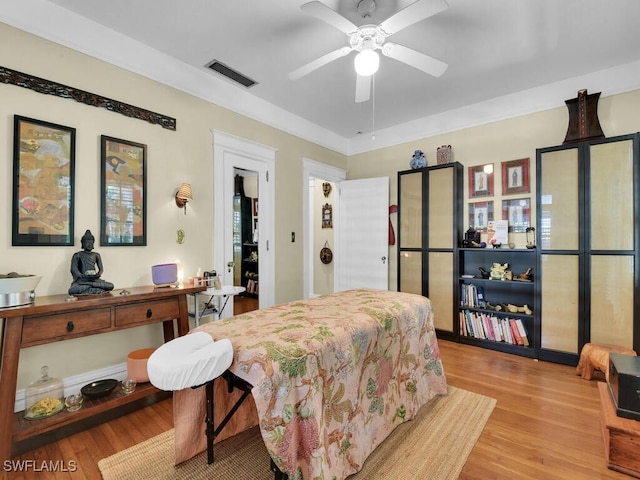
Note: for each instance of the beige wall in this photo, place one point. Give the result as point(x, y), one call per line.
point(185, 155)
point(494, 143)
point(322, 274)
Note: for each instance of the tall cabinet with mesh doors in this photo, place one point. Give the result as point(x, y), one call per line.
point(588, 243)
point(430, 223)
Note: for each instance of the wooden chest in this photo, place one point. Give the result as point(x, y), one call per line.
point(621, 436)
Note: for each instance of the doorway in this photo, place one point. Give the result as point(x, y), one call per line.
point(312, 173)
point(232, 156)
point(246, 252)
point(360, 220)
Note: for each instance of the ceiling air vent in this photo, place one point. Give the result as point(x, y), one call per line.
point(231, 74)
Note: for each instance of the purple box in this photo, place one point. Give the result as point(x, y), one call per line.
point(164, 274)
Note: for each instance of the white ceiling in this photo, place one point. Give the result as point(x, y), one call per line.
point(496, 49)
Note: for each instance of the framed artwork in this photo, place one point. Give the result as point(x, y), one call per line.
point(43, 183)
point(480, 214)
point(481, 181)
point(518, 212)
point(327, 216)
point(515, 176)
point(123, 196)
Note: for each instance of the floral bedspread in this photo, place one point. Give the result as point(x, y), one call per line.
point(332, 376)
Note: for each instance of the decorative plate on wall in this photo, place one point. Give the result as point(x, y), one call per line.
point(326, 255)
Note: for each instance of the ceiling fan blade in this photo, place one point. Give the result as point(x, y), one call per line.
point(418, 60)
point(363, 88)
point(333, 18)
point(412, 14)
point(319, 62)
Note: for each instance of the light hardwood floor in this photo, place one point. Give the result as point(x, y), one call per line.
point(545, 424)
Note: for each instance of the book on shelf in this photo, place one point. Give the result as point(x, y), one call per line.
point(517, 339)
point(472, 296)
point(252, 286)
point(480, 297)
point(498, 232)
point(523, 332)
point(491, 327)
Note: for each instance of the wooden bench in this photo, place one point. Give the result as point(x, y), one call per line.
point(595, 356)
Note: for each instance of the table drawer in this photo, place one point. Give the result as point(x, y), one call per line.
point(45, 328)
point(147, 312)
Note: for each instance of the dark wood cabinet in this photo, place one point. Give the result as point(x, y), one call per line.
point(429, 231)
point(588, 242)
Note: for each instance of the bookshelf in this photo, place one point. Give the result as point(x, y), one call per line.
point(497, 314)
point(250, 269)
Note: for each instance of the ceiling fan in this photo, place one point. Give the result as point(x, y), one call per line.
point(366, 39)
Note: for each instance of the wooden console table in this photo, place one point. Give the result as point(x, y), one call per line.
point(53, 319)
point(621, 436)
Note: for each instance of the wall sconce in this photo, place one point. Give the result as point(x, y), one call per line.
point(183, 195)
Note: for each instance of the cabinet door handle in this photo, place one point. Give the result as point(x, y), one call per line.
point(149, 313)
point(70, 326)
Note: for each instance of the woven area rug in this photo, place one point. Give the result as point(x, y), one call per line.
point(435, 445)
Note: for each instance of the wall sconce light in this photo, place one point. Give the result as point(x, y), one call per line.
point(183, 195)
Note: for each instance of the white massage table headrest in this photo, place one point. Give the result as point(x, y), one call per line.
point(189, 361)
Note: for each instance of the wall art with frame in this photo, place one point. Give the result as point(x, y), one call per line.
point(518, 212)
point(515, 176)
point(481, 181)
point(123, 196)
point(43, 183)
point(480, 214)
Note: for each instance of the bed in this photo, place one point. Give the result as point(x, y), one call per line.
point(331, 378)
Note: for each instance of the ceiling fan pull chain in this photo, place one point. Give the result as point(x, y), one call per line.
point(373, 107)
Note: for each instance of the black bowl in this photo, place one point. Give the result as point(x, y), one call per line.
point(99, 388)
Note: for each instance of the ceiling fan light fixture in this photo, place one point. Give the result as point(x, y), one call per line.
point(366, 62)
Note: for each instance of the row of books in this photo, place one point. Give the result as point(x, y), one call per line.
point(472, 296)
point(252, 286)
point(491, 327)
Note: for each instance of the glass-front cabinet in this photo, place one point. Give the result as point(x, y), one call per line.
point(429, 230)
point(588, 204)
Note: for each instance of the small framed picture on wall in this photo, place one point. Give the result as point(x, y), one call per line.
point(515, 176)
point(518, 212)
point(480, 214)
point(481, 181)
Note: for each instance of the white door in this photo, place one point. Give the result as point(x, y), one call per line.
point(230, 153)
point(362, 234)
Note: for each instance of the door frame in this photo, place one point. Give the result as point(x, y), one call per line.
point(230, 151)
point(312, 169)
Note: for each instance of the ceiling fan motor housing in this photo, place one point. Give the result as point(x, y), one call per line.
point(366, 8)
point(367, 37)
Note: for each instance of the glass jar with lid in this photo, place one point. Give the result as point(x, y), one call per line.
point(44, 397)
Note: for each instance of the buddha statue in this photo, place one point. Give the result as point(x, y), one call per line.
point(86, 268)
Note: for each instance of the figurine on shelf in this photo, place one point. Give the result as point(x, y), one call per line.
point(86, 268)
point(498, 271)
point(531, 237)
point(483, 273)
point(516, 309)
point(472, 239)
point(527, 275)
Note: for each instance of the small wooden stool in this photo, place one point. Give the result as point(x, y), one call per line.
point(595, 356)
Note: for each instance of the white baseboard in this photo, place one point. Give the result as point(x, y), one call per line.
point(72, 385)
